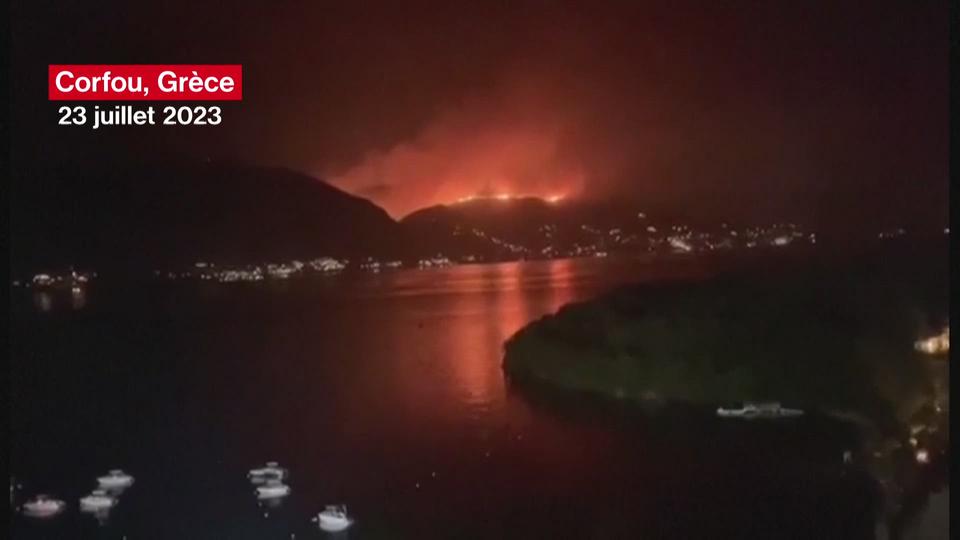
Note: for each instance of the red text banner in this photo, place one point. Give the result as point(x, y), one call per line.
point(143, 82)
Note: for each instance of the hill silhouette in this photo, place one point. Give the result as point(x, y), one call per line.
point(181, 212)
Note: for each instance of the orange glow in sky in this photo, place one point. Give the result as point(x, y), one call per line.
point(481, 150)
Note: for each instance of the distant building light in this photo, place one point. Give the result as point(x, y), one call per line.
point(679, 245)
point(893, 233)
point(781, 240)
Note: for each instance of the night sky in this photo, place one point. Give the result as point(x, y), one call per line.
point(827, 112)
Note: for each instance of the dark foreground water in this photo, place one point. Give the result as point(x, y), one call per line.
point(385, 392)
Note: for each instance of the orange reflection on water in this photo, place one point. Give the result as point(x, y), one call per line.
point(514, 294)
point(433, 340)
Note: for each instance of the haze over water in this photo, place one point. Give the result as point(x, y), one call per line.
point(383, 392)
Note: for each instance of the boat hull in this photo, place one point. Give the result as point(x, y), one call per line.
point(332, 524)
point(750, 414)
point(109, 482)
point(43, 510)
point(95, 504)
point(272, 492)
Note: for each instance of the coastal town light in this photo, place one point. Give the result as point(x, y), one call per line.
point(938, 344)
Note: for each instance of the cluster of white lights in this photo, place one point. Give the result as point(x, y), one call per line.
point(72, 279)
point(435, 262)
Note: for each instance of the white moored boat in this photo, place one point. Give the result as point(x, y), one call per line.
point(43, 506)
point(97, 501)
point(115, 479)
point(333, 518)
point(272, 470)
point(273, 489)
point(758, 410)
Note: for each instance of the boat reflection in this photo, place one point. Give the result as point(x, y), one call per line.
point(78, 297)
point(102, 515)
point(43, 301)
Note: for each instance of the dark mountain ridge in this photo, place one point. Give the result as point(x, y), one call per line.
point(169, 213)
point(182, 212)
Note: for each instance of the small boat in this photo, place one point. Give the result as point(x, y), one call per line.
point(97, 501)
point(115, 479)
point(273, 489)
point(333, 518)
point(758, 410)
point(43, 506)
point(272, 470)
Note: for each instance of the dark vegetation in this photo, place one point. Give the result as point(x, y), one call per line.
point(830, 337)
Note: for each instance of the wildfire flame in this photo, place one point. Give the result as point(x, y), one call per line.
point(552, 199)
